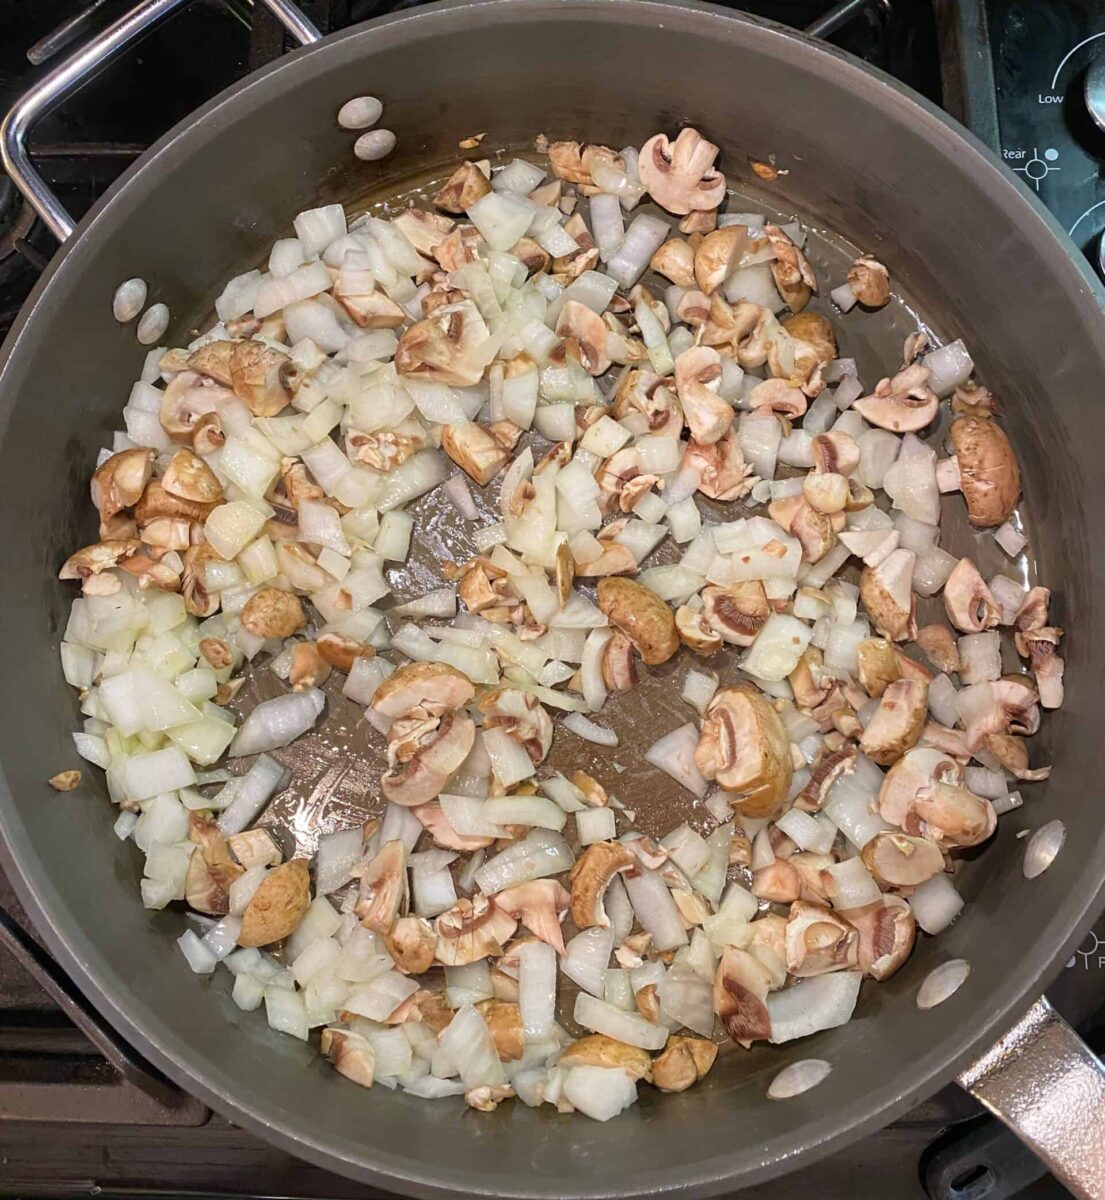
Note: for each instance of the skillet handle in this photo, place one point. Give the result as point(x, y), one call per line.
point(73, 73)
point(1044, 1082)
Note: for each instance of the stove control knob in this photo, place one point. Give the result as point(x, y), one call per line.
point(1095, 91)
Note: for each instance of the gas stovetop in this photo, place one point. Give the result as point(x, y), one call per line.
point(80, 1113)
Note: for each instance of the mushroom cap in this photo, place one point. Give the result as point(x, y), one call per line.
point(273, 612)
point(870, 282)
point(716, 255)
point(278, 905)
point(383, 889)
point(878, 665)
point(588, 330)
point(721, 470)
point(119, 481)
point(899, 860)
point(708, 416)
point(431, 687)
point(736, 613)
point(816, 331)
point(954, 815)
point(462, 189)
point(896, 724)
point(591, 876)
point(472, 929)
point(989, 475)
point(619, 664)
point(818, 940)
point(598, 1050)
point(939, 646)
point(682, 1062)
point(695, 631)
point(741, 984)
point(411, 942)
point(539, 905)
point(264, 377)
point(504, 1023)
point(778, 882)
point(675, 261)
point(887, 930)
point(969, 603)
point(680, 176)
point(438, 756)
point(188, 477)
point(744, 746)
point(523, 717)
point(642, 616)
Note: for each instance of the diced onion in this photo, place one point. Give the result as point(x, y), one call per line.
point(823, 1002)
point(674, 755)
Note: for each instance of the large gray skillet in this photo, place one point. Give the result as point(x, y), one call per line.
point(966, 245)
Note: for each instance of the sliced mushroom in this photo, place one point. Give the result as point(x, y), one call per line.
point(898, 860)
point(823, 776)
point(675, 261)
point(953, 815)
point(903, 404)
point(682, 1063)
point(990, 478)
point(878, 665)
point(870, 282)
point(504, 1023)
point(278, 905)
point(619, 664)
point(778, 882)
point(411, 943)
point(273, 612)
point(447, 347)
point(474, 450)
point(522, 716)
point(887, 930)
point(264, 377)
point(573, 162)
point(896, 724)
point(157, 502)
point(598, 1050)
point(814, 531)
point(587, 331)
point(383, 892)
point(424, 230)
point(462, 189)
point(642, 616)
point(119, 481)
point(680, 176)
point(779, 396)
point(591, 876)
point(741, 984)
point(213, 360)
point(969, 603)
point(428, 688)
point(818, 941)
point(189, 478)
point(717, 255)
point(539, 905)
point(743, 745)
point(940, 647)
point(1047, 666)
point(211, 870)
point(437, 825)
point(721, 470)
point(254, 848)
point(471, 930)
point(423, 758)
point(341, 651)
point(916, 770)
point(188, 399)
point(736, 613)
point(102, 556)
point(695, 631)
point(1012, 753)
point(351, 1054)
point(887, 594)
point(708, 416)
point(369, 307)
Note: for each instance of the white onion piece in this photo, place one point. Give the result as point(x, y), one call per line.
point(242, 889)
point(466, 815)
point(935, 903)
point(601, 735)
point(932, 570)
point(456, 488)
point(587, 957)
point(878, 449)
point(607, 224)
point(1009, 594)
point(468, 984)
point(984, 782)
point(467, 1042)
point(1010, 539)
point(338, 854)
point(911, 481)
point(853, 886)
point(823, 1002)
point(843, 297)
point(799, 1077)
point(618, 909)
point(849, 803)
point(687, 849)
point(628, 1027)
point(434, 892)
point(591, 681)
point(686, 997)
point(643, 238)
point(759, 436)
point(942, 982)
point(250, 793)
point(942, 700)
point(538, 855)
point(599, 1092)
point(523, 810)
point(778, 646)
point(756, 283)
point(595, 825)
point(509, 761)
point(806, 832)
point(979, 657)
point(200, 957)
point(699, 688)
point(655, 909)
point(951, 366)
point(537, 989)
point(674, 755)
point(278, 722)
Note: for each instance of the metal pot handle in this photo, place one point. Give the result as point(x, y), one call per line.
point(76, 71)
point(1044, 1082)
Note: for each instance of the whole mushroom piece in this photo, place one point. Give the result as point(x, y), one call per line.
point(743, 745)
point(989, 476)
point(642, 616)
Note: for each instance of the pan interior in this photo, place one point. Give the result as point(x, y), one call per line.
point(965, 250)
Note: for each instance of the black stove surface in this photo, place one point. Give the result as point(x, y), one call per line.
point(73, 1124)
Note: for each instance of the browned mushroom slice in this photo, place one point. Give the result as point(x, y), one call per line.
point(539, 905)
point(940, 647)
point(887, 594)
point(989, 476)
point(308, 668)
point(736, 613)
point(521, 715)
point(823, 776)
point(351, 1054)
point(598, 1050)
point(369, 307)
point(591, 876)
point(102, 556)
point(903, 404)
point(431, 688)
point(682, 1063)
point(447, 347)
point(675, 261)
point(741, 984)
point(896, 724)
point(717, 255)
point(708, 416)
point(887, 931)
point(878, 665)
point(474, 450)
point(790, 268)
point(188, 398)
point(721, 470)
point(463, 188)
point(573, 162)
point(423, 758)
point(119, 481)
point(680, 176)
point(955, 816)
point(341, 651)
point(779, 396)
point(212, 360)
point(778, 882)
point(383, 892)
point(818, 941)
point(642, 616)
point(916, 770)
point(211, 870)
point(743, 745)
point(619, 664)
point(898, 860)
point(695, 631)
point(587, 331)
point(278, 905)
point(264, 377)
point(969, 603)
point(870, 282)
point(411, 942)
point(188, 477)
point(471, 930)
point(1012, 753)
